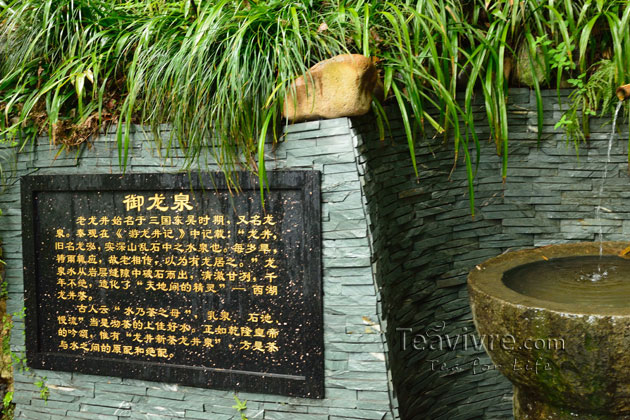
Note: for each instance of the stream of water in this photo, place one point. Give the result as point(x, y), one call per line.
point(578, 280)
point(602, 274)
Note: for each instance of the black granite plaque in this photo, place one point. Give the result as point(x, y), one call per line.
point(176, 278)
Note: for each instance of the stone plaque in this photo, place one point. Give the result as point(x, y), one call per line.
point(176, 278)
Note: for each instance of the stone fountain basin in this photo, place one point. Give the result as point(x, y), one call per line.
point(588, 375)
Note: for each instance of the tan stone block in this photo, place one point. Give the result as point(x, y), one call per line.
point(338, 87)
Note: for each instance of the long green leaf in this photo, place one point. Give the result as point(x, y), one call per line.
point(407, 125)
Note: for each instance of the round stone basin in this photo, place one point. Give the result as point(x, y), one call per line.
point(556, 322)
point(581, 281)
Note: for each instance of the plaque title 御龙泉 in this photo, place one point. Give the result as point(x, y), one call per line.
point(157, 201)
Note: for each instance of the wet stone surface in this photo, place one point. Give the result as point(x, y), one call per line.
point(156, 277)
point(590, 281)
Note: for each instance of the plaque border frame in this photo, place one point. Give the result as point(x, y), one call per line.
point(309, 385)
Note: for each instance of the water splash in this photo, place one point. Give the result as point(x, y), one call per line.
point(593, 277)
point(601, 191)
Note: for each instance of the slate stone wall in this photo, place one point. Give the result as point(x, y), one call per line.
point(425, 241)
point(356, 376)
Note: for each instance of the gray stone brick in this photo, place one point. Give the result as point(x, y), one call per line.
point(97, 409)
point(23, 413)
point(56, 405)
point(340, 168)
point(120, 388)
point(357, 413)
point(169, 395)
point(190, 414)
point(335, 122)
point(305, 126)
point(277, 415)
point(70, 390)
point(358, 290)
point(344, 234)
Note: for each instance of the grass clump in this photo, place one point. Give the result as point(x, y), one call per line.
point(217, 71)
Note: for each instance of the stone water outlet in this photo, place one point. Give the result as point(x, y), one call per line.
point(623, 92)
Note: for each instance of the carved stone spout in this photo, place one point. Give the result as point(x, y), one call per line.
point(623, 92)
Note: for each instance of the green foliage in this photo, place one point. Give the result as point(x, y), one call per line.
point(211, 70)
point(8, 398)
point(6, 364)
point(44, 392)
point(16, 361)
point(6, 326)
point(7, 406)
point(240, 407)
point(588, 97)
point(217, 71)
point(436, 51)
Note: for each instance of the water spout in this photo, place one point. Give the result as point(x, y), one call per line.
point(601, 187)
point(623, 92)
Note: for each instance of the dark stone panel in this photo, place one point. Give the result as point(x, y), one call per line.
point(171, 277)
